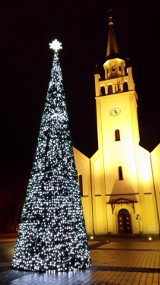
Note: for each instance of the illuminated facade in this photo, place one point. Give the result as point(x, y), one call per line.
point(120, 183)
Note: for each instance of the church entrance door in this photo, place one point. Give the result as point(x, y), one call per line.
point(124, 222)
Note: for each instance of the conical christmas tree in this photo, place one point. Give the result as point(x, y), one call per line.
point(52, 234)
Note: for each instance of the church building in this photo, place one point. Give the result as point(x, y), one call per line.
point(120, 183)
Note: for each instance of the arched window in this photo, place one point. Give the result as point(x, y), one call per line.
point(103, 90)
point(110, 89)
point(117, 135)
point(125, 86)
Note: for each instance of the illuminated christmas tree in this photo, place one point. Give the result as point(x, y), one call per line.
point(52, 233)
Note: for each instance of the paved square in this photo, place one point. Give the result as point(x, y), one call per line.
point(115, 261)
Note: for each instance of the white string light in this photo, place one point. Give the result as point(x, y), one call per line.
point(52, 234)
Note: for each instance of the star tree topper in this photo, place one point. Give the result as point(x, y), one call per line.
point(55, 45)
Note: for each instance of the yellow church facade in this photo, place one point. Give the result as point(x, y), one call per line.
point(120, 183)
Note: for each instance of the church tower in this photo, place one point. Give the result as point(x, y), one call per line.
point(117, 181)
point(117, 125)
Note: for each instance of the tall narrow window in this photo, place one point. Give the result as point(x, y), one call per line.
point(125, 87)
point(120, 172)
point(103, 90)
point(117, 135)
point(110, 89)
point(81, 184)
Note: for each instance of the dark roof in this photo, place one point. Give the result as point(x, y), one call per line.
point(112, 46)
point(122, 192)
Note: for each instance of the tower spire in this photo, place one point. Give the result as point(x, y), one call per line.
point(112, 46)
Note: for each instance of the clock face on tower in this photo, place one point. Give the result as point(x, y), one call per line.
point(115, 111)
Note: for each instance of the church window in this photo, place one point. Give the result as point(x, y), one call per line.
point(103, 90)
point(80, 180)
point(117, 135)
point(125, 86)
point(110, 89)
point(120, 173)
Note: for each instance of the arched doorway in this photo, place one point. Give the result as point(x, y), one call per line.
point(124, 222)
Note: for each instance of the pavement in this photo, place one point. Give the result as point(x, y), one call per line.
point(116, 260)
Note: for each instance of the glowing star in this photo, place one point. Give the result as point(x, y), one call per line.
point(55, 45)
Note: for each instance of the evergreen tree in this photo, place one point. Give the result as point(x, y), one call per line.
point(52, 234)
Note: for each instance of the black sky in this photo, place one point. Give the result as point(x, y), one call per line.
point(26, 29)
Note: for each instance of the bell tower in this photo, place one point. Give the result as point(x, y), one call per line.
point(117, 122)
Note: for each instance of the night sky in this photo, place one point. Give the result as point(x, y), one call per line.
point(26, 29)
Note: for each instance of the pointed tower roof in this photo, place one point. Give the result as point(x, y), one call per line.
point(112, 46)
